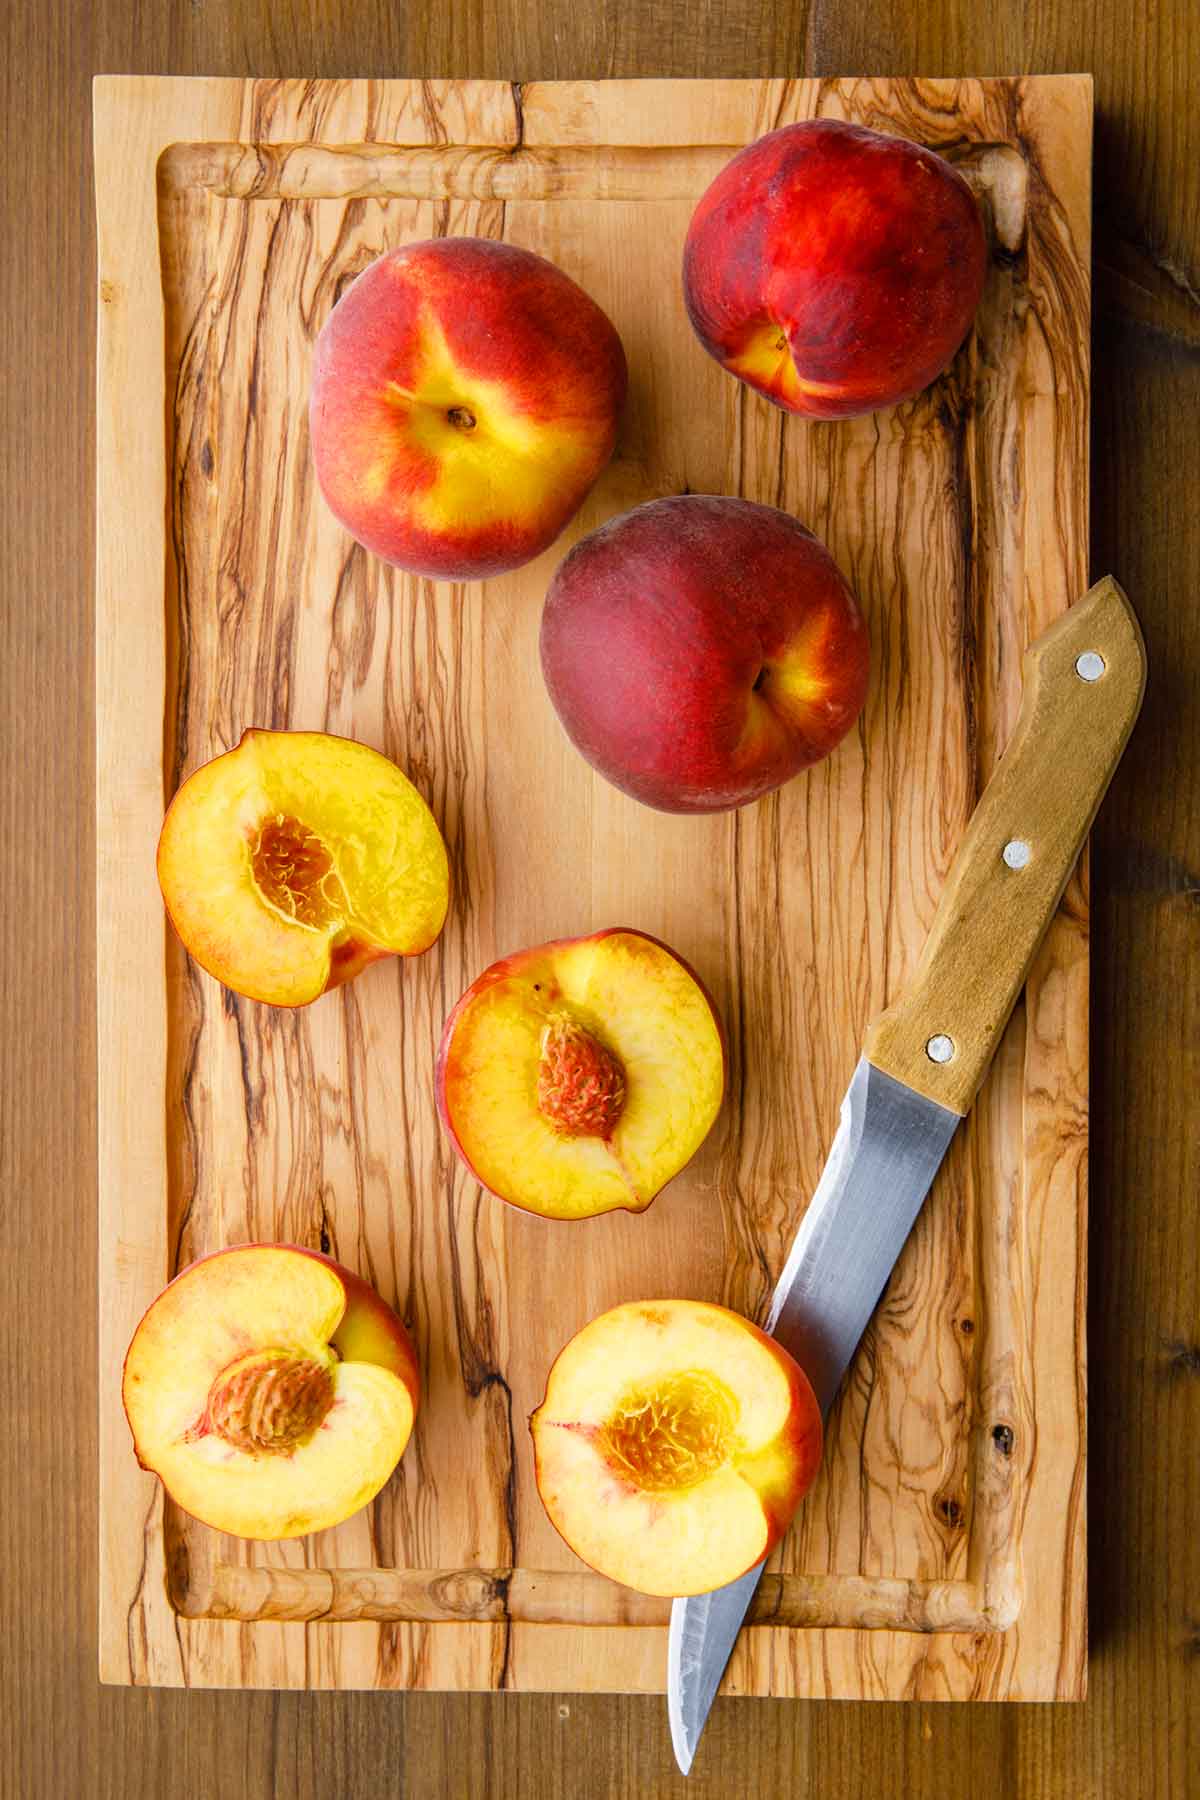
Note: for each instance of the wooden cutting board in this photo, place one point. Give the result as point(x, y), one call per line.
point(947, 1529)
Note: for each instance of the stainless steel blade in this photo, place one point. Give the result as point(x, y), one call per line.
point(887, 1150)
point(889, 1145)
point(703, 1632)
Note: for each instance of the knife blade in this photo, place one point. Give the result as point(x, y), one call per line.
point(925, 1058)
point(889, 1142)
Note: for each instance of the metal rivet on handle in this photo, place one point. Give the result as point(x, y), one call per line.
point(1089, 666)
point(1016, 853)
point(940, 1049)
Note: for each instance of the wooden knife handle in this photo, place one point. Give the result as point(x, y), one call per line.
point(1018, 851)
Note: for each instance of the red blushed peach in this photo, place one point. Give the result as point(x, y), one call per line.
point(699, 651)
point(833, 268)
point(581, 1076)
point(675, 1442)
point(271, 1390)
point(465, 396)
point(289, 864)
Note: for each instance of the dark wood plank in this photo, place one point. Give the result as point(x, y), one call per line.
point(1139, 1732)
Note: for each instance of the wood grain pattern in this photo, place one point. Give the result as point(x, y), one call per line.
point(1019, 850)
point(1138, 1734)
point(320, 1127)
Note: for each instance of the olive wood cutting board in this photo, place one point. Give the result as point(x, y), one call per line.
point(946, 1534)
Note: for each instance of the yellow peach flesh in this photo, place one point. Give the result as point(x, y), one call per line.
point(321, 1481)
point(290, 862)
point(647, 1012)
point(673, 1445)
point(197, 1395)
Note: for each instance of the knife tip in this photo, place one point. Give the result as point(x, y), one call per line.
point(684, 1752)
point(682, 1743)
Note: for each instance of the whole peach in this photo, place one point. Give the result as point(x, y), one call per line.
point(465, 396)
point(701, 650)
point(833, 268)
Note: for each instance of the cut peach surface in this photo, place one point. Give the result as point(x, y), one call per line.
point(674, 1444)
point(289, 864)
point(271, 1390)
point(582, 1075)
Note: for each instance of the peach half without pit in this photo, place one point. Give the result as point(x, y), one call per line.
point(290, 863)
point(581, 1076)
point(271, 1390)
point(675, 1442)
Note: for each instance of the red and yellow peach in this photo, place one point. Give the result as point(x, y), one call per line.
point(465, 396)
point(834, 268)
point(699, 651)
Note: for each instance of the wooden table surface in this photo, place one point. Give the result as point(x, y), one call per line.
point(61, 1733)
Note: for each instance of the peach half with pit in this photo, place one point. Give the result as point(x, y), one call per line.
point(271, 1390)
point(581, 1076)
point(675, 1442)
point(290, 863)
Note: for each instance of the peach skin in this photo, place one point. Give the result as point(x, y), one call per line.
point(700, 650)
point(833, 268)
point(465, 396)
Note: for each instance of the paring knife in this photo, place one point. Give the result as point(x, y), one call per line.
point(925, 1058)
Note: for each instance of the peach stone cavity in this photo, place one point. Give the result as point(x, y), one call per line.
point(291, 862)
point(295, 873)
point(672, 1433)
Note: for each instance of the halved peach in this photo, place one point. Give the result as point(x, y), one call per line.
point(289, 864)
point(675, 1442)
point(582, 1075)
point(271, 1390)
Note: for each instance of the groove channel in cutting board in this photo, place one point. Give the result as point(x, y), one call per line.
point(231, 217)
